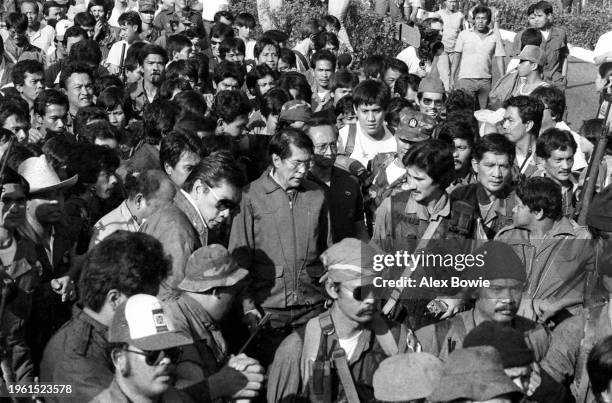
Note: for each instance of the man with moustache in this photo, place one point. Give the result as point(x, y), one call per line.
point(557, 251)
point(278, 235)
point(497, 303)
point(556, 149)
point(350, 335)
point(342, 189)
point(152, 60)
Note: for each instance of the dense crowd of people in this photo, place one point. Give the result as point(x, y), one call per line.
point(195, 209)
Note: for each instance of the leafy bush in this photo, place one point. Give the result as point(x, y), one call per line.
point(582, 29)
point(369, 33)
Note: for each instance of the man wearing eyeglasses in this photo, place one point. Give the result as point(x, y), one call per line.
point(278, 235)
point(431, 97)
point(499, 303)
point(308, 361)
point(342, 189)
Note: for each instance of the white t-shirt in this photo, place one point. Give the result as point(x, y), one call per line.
point(349, 345)
point(367, 147)
point(114, 54)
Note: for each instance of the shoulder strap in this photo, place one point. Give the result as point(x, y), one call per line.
point(384, 336)
point(586, 344)
point(310, 347)
point(350, 140)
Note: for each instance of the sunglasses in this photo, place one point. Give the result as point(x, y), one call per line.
point(154, 357)
point(223, 204)
point(360, 293)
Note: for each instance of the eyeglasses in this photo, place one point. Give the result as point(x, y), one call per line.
point(154, 357)
point(298, 164)
point(223, 204)
point(428, 102)
point(321, 148)
point(360, 293)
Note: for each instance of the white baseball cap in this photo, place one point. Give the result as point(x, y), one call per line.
point(141, 322)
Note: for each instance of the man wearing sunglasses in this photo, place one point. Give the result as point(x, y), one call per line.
point(200, 213)
point(278, 235)
point(431, 97)
point(349, 332)
point(144, 351)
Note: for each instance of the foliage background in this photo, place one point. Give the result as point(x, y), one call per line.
point(373, 34)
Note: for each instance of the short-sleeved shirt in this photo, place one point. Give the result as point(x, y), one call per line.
point(366, 147)
point(452, 27)
point(477, 53)
point(555, 50)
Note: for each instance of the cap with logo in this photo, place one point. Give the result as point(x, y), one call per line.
point(533, 54)
point(140, 321)
point(414, 126)
point(210, 267)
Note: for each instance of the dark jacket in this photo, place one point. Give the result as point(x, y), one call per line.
point(76, 355)
point(278, 237)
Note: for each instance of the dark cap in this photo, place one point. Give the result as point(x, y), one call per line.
point(414, 126)
point(509, 342)
point(210, 267)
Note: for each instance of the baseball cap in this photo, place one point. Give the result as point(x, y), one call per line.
point(432, 84)
point(295, 111)
point(146, 6)
point(414, 126)
point(210, 267)
point(533, 54)
point(141, 322)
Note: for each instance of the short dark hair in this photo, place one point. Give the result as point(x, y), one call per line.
point(47, 98)
point(130, 18)
point(86, 116)
point(174, 145)
point(482, 10)
point(529, 109)
point(539, 193)
point(74, 32)
point(258, 73)
point(178, 68)
point(229, 105)
point(344, 105)
point(49, 5)
point(374, 67)
point(343, 79)
point(84, 19)
point(231, 44)
point(112, 97)
point(176, 43)
point(17, 21)
point(273, 101)
point(456, 129)
point(11, 176)
point(323, 55)
point(10, 106)
point(460, 100)
point(132, 55)
point(331, 20)
point(86, 51)
point(288, 56)
point(276, 35)
point(406, 81)
point(280, 143)
point(324, 38)
point(223, 14)
point(245, 20)
point(74, 68)
point(106, 81)
point(170, 85)
point(293, 80)
point(102, 3)
point(147, 183)
point(393, 115)
point(26, 66)
point(543, 6)
point(261, 44)
point(493, 143)
point(531, 36)
point(435, 157)
point(152, 50)
point(227, 69)
point(129, 262)
point(554, 139)
point(158, 118)
point(552, 98)
point(599, 365)
point(221, 31)
point(371, 92)
point(396, 64)
point(214, 169)
point(191, 101)
point(87, 161)
point(310, 27)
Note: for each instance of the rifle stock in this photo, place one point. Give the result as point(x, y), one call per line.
point(593, 170)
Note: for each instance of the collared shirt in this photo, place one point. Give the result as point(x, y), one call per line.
point(477, 53)
point(118, 219)
point(139, 96)
point(43, 38)
point(195, 206)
